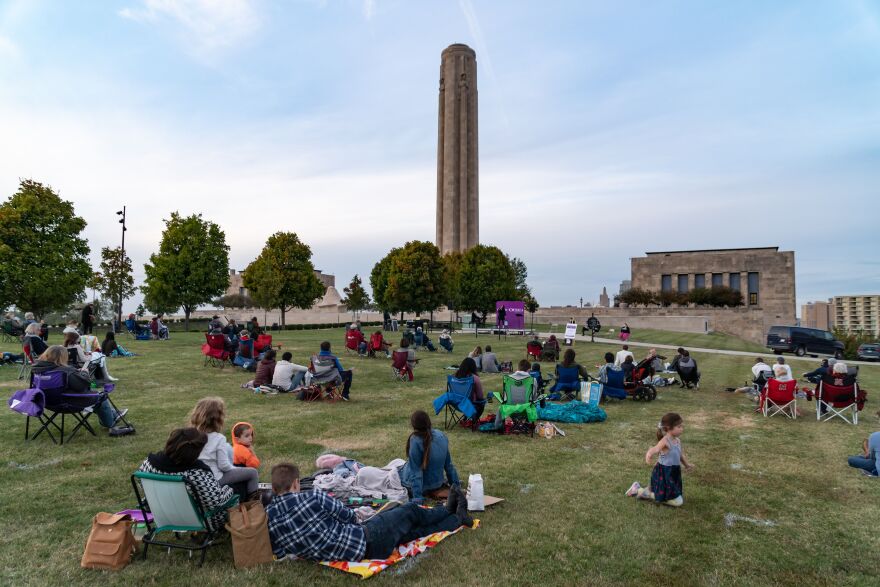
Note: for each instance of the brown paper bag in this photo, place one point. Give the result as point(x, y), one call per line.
point(110, 544)
point(249, 528)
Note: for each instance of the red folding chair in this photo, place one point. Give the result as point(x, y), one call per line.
point(838, 401)
point(400, 369)
point(214, 350)
point(533, 349)
point(263, 343)
point(777, 396)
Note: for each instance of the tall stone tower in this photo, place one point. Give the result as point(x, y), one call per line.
point(458, 212)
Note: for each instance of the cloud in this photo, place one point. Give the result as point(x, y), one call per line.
point(8, 48)
point(369, 9)
point(207, 26)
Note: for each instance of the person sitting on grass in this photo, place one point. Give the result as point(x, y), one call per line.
point(622, 354)
point(265, 370)
point(535, 372)
point(869, 460)
point(477, 356)
point(78, 381)
point(110, 348)
point(312, 525)
point(181, 457)
point(628, 367)
point(347, 376)
point(428, 459)
point(208, 417)
point(243, 446)
point(608, 366)
point(289, 376)
point(490, 361)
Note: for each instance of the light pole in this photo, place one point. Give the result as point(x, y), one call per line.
point(119, 308)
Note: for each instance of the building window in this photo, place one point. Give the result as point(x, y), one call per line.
point(717, 279)
point(666, 283)
point(700, 280)
point(241, 291)
point(734, 281)
point(753, 289)
point(682, 283)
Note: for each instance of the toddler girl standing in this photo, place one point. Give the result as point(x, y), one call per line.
point(666, 476)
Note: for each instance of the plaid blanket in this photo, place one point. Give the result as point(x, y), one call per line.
point(367, 568)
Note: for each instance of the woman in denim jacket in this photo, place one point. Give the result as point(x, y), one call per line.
point(428, 459)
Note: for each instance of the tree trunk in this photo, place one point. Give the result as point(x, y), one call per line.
point(282, 318)
point(186, 311)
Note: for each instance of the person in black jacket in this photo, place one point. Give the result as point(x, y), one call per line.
point(55, 359)
point(88, 319)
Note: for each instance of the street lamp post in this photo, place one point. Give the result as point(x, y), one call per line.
point(119, 308)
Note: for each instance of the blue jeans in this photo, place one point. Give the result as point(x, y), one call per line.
point(404, 523)
point(864, 463)
point(106, 414)
point(297, 380)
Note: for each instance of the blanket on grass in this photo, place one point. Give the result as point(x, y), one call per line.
point(575, 412)
point(367, 567)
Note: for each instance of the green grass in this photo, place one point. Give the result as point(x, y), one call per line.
point(565, 520)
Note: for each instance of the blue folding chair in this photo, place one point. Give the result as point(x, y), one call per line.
point(614, 385)
point(568, 381)
point(456, 401)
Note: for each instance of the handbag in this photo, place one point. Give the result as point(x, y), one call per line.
point(249, 528)
point(110, 544)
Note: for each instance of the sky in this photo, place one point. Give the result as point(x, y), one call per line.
point(606, 129)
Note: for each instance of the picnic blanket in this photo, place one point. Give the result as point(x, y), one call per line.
point(575, 412)
point(369, 567)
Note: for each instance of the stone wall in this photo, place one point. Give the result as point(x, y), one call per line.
point(744, 322)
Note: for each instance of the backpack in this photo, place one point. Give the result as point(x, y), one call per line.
point(110, 544)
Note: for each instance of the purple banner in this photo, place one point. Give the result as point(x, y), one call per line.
point(514, 315)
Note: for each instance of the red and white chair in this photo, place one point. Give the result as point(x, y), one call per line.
point(837, 401)
point(779, 397)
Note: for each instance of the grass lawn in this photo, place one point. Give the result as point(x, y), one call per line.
point(565, 520)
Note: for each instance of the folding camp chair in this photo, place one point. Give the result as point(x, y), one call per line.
point(533, 349)
point(215, 351)
point(400, 369)
point(456, 401)
point(777, 396)
point(169, 500)
point(614, 385)
point(837, 400)
point(28, 362)
point(568, 381)
point(518, 400)
point(326, 380)
point(9, 334)
point(136, 331)
point(80, 406)
point(263, 343)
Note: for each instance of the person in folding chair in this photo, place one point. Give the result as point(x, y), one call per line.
point(569, 374)
point(778, 395)
point(55, 359)
point(181, 458)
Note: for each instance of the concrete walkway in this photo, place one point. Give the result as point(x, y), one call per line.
point(767, 353)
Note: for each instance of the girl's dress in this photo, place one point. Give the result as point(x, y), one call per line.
point(666, 476)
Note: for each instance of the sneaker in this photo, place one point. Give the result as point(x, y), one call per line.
point(109, 378)
point(345, 398)
point(633, 489)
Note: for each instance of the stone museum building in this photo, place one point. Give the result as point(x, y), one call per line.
point(765, 277)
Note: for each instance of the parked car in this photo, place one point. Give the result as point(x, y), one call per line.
point(801, 341)
point(869, 351)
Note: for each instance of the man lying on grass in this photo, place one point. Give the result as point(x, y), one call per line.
point(312, 525)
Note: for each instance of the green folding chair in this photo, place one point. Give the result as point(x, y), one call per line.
point(519, 396)
point(169, 499)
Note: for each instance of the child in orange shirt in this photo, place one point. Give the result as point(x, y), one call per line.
point(242, 446)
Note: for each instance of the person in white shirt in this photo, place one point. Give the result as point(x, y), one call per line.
point(289, 375)
point(760, 367)
point(622, 355)
point(780, 361)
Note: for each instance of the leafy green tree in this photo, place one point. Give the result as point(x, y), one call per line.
point(95, 283)
point(486, 277)
point(140, 311)
point(638, 297)
point(356, 297)
point(283, 276)
point(234, 301)
point(531, 305)
point(521, 274)
point(415, 278)
point(452, 279)
point(43, 259)
point(190, 269)
point(379, 281)
point(117, 283)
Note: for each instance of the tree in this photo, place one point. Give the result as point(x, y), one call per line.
point(140, 311)
point(532, 306)
point(43, 259)
point(379, 281)
point(486, 277)
point(190, 269)
point(234, 301)
point(356, 297)
point(520, 273)
point(116, 284)
point(415, 278)
point(637, 297)
point(452, 279)
point(283, 276)
point(95, 283)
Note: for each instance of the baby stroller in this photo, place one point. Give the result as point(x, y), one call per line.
point(635, 387)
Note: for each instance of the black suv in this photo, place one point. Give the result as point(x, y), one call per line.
point(800, 341)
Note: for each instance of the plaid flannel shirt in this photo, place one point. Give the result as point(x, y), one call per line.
point(312, 525)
